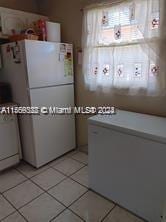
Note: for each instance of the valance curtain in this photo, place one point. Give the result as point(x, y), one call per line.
point(122, 47)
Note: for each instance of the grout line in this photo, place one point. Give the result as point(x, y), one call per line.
point(77, 171)
point(22, 216)
point(111, 201)
point(132, 213)
point(76, 214)
point(68, 207)
point(30, 201)
point(65, 207)
point(69, 174)
point(69, 177)
point(78, 160)
point(50, 187)
point(58, 159)
point(49, 166)
point(44, 191)
point(78, 198)
point(41, 194)
point(64, 211)
point(40, 172)
point(79, 183)
point(14, 208)
point(34, 168)
point(57, 215)
point(71, 157)
point(59, 172)
point(66, 177)
point(14, 186)
point(8, 215)
point(57, 200)
point(47, 191)
point(26, 203)
point(108, 213)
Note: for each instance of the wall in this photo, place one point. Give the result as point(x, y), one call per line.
point(69, 15)
point(24, 5)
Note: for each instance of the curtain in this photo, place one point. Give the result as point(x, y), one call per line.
point(122, 47)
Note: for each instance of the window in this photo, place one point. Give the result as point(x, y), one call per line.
point(120, 46)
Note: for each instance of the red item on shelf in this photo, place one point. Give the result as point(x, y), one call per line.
point(42, 30)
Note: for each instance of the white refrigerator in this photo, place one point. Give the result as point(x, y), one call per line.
point(41, 74)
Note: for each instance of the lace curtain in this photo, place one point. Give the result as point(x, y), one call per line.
point(122, 47)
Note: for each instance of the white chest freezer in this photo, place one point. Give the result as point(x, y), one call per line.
point(127, 161)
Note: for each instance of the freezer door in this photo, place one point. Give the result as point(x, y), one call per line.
point(54, 135)
point(14, 71)
point(48, 64)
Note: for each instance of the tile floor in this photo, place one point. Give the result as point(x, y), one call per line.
point(57, 192)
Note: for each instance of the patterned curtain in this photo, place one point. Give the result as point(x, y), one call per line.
point(122, 47)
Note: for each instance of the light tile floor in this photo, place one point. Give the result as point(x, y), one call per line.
point(57, 192)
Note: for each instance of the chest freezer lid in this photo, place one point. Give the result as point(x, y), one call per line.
point(142, 125)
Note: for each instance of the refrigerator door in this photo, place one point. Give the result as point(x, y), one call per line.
point(54, 135)
point(48, 63)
